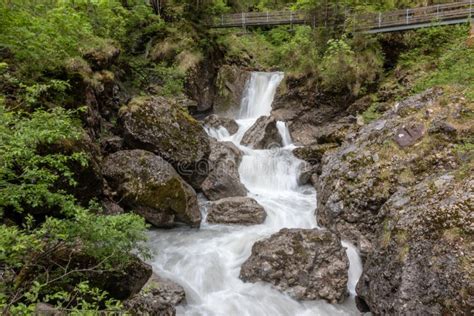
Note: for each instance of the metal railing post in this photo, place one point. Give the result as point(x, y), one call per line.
point(291, 18)
point(268, 20)
point(437, 11)
point(222, 19)
point(470, 8)
point(243, 20)
point(408, 12)
point(380, 19)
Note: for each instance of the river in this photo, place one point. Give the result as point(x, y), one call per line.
point(206, 262)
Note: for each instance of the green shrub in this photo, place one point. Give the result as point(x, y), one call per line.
point(344, 69)
point(28, 184)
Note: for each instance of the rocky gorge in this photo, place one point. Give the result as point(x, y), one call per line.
point(180, 172)
point(375, 182)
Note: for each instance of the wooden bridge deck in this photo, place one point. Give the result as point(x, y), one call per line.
point(449, 13)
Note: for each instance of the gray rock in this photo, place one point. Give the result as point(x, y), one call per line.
point(160, 126)
point(409, 135)
point(215, 121)
point(231, 82)
point(159, 296)
point(442, 127)
point(422, 260)
point(236, 210)
point(263, 134)
point(308, 264)
point(151, 187)
point(43, 309)
point(357, 178)
point(223, 179)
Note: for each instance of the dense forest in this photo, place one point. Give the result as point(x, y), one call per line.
point(70, 71)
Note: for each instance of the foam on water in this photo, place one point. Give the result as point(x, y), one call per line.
point(206, 262)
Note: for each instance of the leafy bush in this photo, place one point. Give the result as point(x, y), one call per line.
point(27, 178)
point(34, 36)
point(344, 69)
point(28, 181)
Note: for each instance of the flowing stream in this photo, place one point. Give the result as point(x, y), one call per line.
point(206, 262)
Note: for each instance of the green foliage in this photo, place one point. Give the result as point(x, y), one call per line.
point(371, 114)
point(30, 277)
point(296, 52)
point(455, 67)
point(85, 298)
point(42, 38)
point(439, 56)
point(28, 184)
point(171, 78)
point(27, 178)
point(44, 34)
point(345, 69)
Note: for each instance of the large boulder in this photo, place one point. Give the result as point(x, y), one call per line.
point(236, 210)
point(147, 184)
point(263, 134)
point(215, 121)
point(422, 263)
point(223, 179)
point(311, 115)
point(308, 264)
point(160, 126)
point(359, 177)
point(159, 296)
point(124, 283)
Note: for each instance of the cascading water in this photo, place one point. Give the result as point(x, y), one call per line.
point(206, 262)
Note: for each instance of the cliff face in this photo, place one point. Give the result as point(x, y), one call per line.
point(400, 188)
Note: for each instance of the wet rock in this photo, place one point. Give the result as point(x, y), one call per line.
point(236, 210)
point(159, 296)
point(201, 77)
point(121, 283)
point(223, 179)
point(311, 115)
point(422, 258)
point(263, 134)
point(308, 264)
point(231, 81)
point(409, 135)
point(162, 127)
point(314, 153)
point(215, 121)
point(148, 185)
point(126, 282)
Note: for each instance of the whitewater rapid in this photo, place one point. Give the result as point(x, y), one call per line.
point(206, 262)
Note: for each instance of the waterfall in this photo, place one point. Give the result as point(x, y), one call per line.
point(260, 90)
point(206, 262)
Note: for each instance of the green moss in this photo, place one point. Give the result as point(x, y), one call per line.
point(386, 234)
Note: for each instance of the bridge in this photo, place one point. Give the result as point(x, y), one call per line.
point(392, 21)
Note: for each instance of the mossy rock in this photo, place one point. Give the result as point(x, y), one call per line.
point(313, 154)
point(160, 126)
point(152, 188)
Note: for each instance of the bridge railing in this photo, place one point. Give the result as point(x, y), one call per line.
point(262, 18)
point(448, 11)
point(358, 22)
